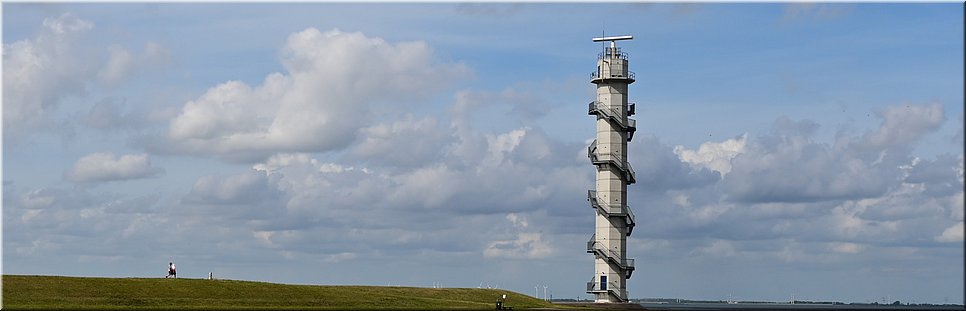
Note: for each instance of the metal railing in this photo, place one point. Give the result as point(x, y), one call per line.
point(612, 53)
point(593, 246)
point(595, 287)
point(612, 158)
point(632, 177)
point(613, 112)
point(598, 108)
point(611, 210)
point(613, 74)
point(631, 220)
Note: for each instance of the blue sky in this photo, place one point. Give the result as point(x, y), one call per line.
point(813, 150)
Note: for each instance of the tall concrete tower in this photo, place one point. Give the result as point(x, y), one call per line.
point(608, 153)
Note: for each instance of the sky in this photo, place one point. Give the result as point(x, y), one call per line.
point(783, 150)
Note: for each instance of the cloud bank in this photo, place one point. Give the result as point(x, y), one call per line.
point(100, 167)
point(39, 72)
point(331, 82)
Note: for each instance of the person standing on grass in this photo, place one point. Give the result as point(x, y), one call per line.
point(171, 271)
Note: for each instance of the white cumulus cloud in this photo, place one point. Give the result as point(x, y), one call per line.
point(714, 155)
point(790, 166)
point(247, 188)
point(406, 142)
point(952, 234)
point(332, 80)
point(903, 125)
point(39, 72)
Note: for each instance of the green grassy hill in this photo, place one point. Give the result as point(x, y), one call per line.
point(52, 292)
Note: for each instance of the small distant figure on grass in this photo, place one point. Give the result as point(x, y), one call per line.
point(172, 272)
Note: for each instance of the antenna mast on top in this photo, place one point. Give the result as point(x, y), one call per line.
point(603, 27)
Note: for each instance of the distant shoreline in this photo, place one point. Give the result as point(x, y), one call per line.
point(790, 307)
point(724, 306)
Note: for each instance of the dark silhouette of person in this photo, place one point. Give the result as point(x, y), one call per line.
point(172, 272)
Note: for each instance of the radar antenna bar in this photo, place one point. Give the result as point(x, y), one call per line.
point(613, 40)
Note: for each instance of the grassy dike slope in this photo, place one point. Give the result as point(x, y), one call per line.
point(57, 292)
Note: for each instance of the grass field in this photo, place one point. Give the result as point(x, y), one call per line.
point(57, 292)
